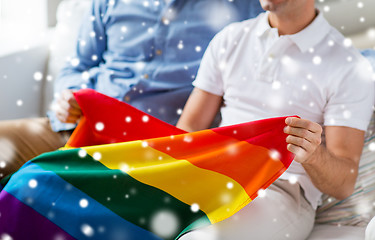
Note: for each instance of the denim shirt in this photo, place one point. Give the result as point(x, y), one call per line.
point(147, 52)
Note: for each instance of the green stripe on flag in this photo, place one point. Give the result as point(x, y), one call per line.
point(138, 203)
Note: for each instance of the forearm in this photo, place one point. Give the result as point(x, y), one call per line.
point(331, 174)
point(199, 111)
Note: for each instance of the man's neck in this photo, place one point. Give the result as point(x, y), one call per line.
point(292, 22)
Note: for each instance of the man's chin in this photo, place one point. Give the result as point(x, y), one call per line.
point(271, 5)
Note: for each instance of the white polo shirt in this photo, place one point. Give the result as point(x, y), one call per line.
point(314, 74)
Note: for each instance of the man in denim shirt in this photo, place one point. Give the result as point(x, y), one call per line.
point(145, 53)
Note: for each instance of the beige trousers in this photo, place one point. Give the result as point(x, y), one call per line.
point(24, 139)
point(283, 213)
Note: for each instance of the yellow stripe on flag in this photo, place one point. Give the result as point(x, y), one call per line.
point(215, 194)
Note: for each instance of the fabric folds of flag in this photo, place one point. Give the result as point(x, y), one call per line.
point(127, 175)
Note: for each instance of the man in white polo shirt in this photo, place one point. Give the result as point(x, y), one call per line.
point(288, 61)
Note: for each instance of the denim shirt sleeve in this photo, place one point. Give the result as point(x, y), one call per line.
point(131, 51)
point(89, 50)
point(91, 44)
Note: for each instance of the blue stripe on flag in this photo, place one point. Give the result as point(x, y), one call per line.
point(72, 210)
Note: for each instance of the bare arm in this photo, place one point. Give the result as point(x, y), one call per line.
point(332, 168)
point(199, 111)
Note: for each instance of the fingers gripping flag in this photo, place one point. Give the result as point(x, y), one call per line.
point(127, 175)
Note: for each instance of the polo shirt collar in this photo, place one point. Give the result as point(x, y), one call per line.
point(304, 39)
point(311, 35)
point(263, 25)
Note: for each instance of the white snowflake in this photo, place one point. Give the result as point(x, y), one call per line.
point(124, 167)
point(82, 153)
point(371, 147)
point(144, 144)
point(33, 183)
point(99, 126)
point(293, 179)
point(87, 230)
point(165, 224)
point(261, 193)
point(97, 156)
point(188, 138)
point(5, 236)
point(83, 203)
point(94, 57)
point(38, 76)
point(317, 60)
point(194, 207)
point(19, 102)
point(371, 33)
point(198, 48)
point(145, 118)
point(274, 154)
point(180, 45)
point(347, 42)
point(74, 62)
point(276, 85)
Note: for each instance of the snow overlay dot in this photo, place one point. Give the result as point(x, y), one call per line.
point(33, 183)
point(38, 76)
point(5, 236)
point(194, 207)
point(198, 48)
point(144, 144)
point(82, 153)
point(261, 193)
point(229, 185)
point(145, 118)
point(2, 164)
point(124, 167)
point(371, 147)
point(94, 57)
point(347, 42)
point(274, 154)
point(83, 203)
point(165, 224)
point(99, 126)
point(317, 60)
point(276, 85)
point(97, 156)
point(74, 62)
point(180, 45)
point(19, 102)
point(87, 230)
point(293, 179)
point(128, 119)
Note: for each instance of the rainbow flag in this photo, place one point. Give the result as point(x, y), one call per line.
point(127, 175)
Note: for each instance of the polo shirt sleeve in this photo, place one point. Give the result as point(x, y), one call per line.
point(209, 77)
point(350, 102)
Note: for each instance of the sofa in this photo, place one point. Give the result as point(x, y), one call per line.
point(332, 221)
